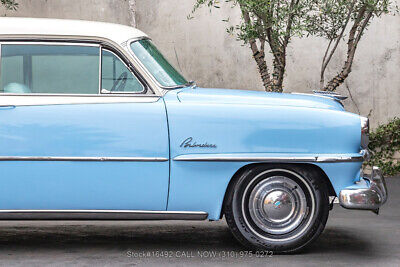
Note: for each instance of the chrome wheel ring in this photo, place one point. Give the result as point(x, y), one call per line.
point(278, 205)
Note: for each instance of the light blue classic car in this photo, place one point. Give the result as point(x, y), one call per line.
point(96, 124)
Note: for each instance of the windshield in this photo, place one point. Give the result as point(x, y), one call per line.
point(157, 65)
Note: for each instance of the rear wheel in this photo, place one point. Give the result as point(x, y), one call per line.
point(280, 208)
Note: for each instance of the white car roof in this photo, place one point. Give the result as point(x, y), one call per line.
point(62, 27)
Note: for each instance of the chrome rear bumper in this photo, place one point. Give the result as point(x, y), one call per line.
point(369, 194)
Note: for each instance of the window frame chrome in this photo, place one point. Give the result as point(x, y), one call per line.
point(0, 58)
point(82, 41)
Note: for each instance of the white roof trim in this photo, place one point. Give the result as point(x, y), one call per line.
point(60, 27)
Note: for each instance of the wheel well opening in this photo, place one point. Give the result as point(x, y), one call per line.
point(321, 173)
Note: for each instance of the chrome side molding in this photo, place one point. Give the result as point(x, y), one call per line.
point(121, 215)
point(28, 158)
point(326, 158)
point(268, 158)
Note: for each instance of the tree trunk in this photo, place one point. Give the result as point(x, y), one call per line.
point(337, 80)
point(279, 71)
point(132, 12)
point(259, 57)
point(277, 83)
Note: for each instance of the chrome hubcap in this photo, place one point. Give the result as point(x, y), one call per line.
point(277, 205)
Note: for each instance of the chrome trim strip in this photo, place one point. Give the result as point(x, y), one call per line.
point(0, 59)
point(100, 68)
point(335, 97)
point(267, 159)
point(134, 159)
point(331, 95)
point(49, 43)
point(76, 95)
point(49, 100)
point(101, 215)
point(341, 159)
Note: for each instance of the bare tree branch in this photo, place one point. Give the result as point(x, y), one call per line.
point(290, 22)
point(356, 32)
point(323, 67)
point(258, 55)
point(132, 12)
point(327, 60)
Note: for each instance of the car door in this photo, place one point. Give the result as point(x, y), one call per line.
point(79, 131)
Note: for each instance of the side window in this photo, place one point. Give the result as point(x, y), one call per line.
point(49, 69)
point(116, 76)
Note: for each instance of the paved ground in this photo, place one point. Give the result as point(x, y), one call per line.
point(351, 238)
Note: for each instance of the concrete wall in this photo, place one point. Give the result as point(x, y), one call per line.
point(98, 10)
point(203, 50)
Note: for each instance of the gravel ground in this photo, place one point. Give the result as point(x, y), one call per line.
point(351, 238)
